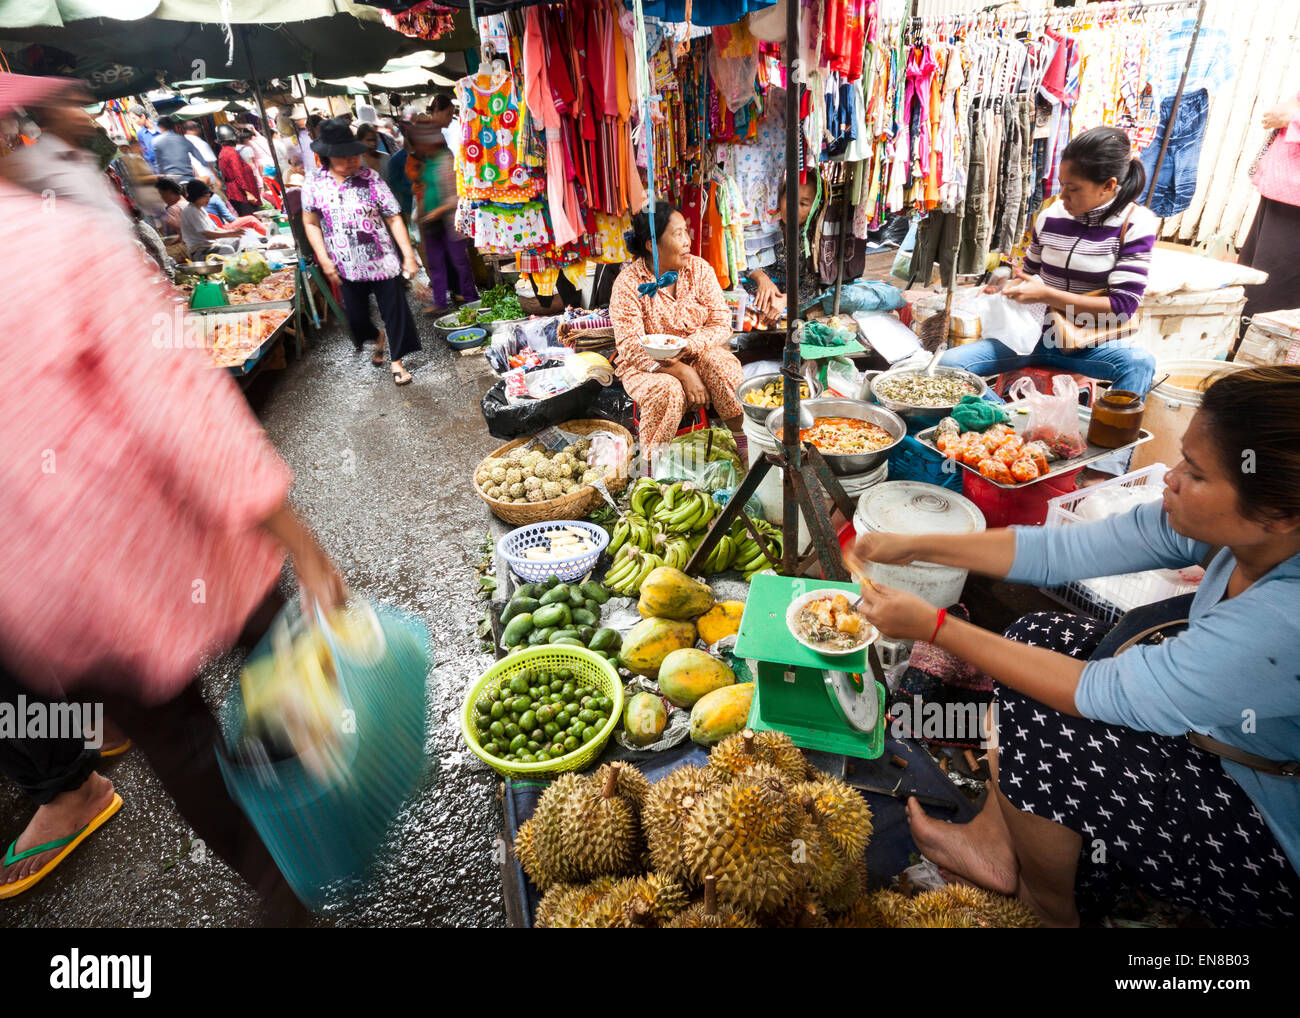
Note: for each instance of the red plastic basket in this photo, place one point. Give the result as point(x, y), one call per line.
point(1005, 507)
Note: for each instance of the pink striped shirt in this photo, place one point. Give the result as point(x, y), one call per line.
point(133, 477)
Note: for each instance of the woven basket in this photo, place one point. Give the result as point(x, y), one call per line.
point(573, 506)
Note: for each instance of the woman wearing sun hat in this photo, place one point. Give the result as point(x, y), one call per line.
point(354, 226)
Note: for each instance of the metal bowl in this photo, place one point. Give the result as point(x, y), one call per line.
point(859, 463)
point(200, 268)
point(920, 415)
point(759, 414)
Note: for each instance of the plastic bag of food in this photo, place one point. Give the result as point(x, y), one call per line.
point(707, 458)
point(247, 267)
point(1054, 416)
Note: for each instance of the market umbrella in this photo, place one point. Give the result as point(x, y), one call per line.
point(123, 47)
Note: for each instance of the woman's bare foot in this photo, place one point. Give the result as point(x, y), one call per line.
point(61, 817)
point(979, 851)
point(381, 344)
point(400, 375)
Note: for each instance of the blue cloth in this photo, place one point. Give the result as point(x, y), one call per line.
point(1233, 675)
point(704, 12)
point(1173, 191)
point(1122, 363)
point(1212, 62)
point(172, 152)
point(146, 136)
point(398, 184)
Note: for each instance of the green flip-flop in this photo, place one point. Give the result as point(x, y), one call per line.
point(66, 844)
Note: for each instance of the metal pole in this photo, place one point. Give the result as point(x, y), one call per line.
point(1173, 109)
point(843, 240)
point(793, 256)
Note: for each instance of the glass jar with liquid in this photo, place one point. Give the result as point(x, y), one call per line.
point(1116, 419)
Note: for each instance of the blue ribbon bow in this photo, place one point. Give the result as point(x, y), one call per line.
point(655, 285)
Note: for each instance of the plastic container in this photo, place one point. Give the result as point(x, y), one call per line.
point(513, 545)
point(466, 339)
point(587, 667)
point(911, 460)
point(910, 507)
point(1025, 505)
point(1171, 406)
point(1109, 597)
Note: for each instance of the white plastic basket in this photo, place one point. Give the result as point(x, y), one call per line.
point(513, 545)
point(1109, 597)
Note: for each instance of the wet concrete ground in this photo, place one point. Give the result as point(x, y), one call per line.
point(384, 475)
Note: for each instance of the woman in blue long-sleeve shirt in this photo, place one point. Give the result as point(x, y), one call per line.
point(1096, 781)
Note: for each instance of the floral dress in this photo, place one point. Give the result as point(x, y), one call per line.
point(352, 214)
point(697, 311)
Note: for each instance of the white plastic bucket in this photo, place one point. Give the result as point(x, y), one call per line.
point(1171, 406)
point(911, 507)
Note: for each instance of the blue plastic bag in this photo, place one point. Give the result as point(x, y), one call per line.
point(864, 296)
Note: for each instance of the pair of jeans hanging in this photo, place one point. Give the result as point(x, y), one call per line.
point(1173, 191)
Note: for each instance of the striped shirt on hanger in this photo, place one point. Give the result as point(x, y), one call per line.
point(1080, 254)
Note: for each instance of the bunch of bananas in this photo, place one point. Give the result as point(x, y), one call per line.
point(633, 530)
point(645, 497)
point(748, 556)
point(676, 549)
point(629, 569)
point(684, 509)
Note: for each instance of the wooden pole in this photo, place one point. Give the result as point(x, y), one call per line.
point(793, 255)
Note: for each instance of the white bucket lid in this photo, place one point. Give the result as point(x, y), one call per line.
point(913, 507)
point(1177, 370)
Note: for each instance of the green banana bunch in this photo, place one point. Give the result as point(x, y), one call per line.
point(644, 497)
point(677, 552)
point(629, 571)
point(723, 554)
point(619, 535)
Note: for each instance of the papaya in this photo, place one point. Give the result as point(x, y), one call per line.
point(686, 675)
point(723, 619)
point(644, 718)
point(668, 593)
point(651, 640)
point(721, 713)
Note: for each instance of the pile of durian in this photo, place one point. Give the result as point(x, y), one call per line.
point(536, 474)
point(757, 838)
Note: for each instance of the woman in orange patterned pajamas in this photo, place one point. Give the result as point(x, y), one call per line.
point(706, 371)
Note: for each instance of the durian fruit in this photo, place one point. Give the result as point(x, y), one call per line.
point(565, 906)
point(600, 832)
point(637, 902)
point(842, 815)
point(957, 920)
point(803, 912)
point(985, 908)
point(540, 844)
point(709, 915)
point(834, 880)
point(669, 803)
point(738, 753)
point(742, 833)
point(880, 910)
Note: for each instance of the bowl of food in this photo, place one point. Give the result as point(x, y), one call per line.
point(824, 621)
point(924, 399)
point(763, 393)
point(663, 347)
point(853, 437)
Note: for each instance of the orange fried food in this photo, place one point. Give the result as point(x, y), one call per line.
point(996, 470)
point(974, 454)
point(1024, 469)
point(998, 432)
point(946, 439)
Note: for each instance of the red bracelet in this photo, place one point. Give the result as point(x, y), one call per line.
point(943, 614)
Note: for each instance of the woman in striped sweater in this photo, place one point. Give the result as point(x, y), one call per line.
point(1096, 237)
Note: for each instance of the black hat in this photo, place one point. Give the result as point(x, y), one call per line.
point(337, 140)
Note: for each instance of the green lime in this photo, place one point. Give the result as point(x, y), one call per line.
point(570, 743)
point(585, 715)
point(517, 742)
point(529, 720)
point(519, 684)
point(497, 729)
point(588, 734)
point(498, 710)
point(512, 730)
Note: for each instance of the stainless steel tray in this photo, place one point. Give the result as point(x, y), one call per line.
point(1020, 422)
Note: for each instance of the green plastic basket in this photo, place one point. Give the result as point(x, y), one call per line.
point(588, 667)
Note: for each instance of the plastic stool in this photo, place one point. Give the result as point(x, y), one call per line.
point(692, 420)
point(1043, 381)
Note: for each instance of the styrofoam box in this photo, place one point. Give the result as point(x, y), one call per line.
point(1199, 325)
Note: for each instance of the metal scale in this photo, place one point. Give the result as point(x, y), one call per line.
point(835, 704)
point(209, 285)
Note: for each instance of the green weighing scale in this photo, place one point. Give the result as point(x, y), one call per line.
point(209, 285)
point(832, 703)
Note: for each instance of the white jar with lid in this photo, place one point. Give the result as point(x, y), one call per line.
point(911, 507)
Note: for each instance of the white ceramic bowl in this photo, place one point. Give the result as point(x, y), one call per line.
point(663, 347)
point(797, 605)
